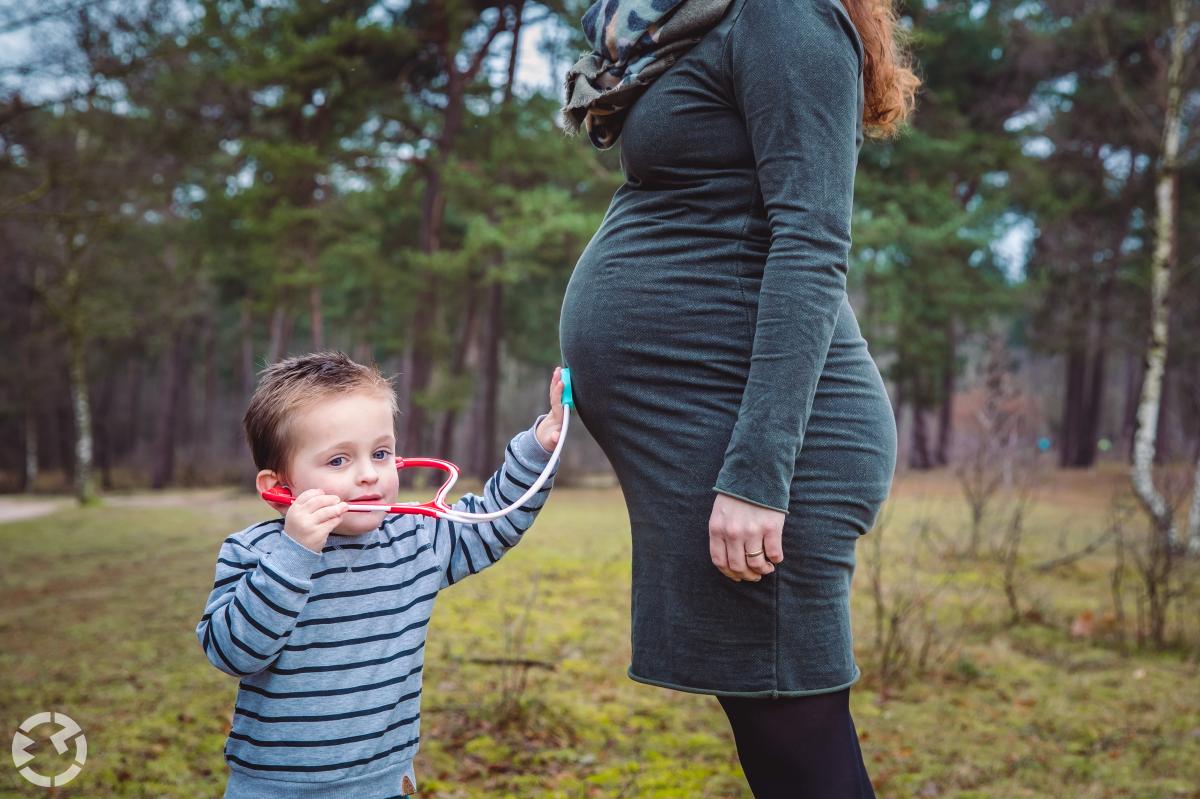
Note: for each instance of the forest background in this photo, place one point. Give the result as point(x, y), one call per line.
point(194, 188)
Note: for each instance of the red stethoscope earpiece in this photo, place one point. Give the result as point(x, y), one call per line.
point(436, 507)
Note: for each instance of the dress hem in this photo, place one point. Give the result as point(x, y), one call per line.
point(769, 693)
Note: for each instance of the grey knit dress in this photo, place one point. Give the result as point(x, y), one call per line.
point(712, 348)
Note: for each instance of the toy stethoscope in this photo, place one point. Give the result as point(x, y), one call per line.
point(437, 506)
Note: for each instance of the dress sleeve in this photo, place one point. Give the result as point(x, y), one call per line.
point(794, 71)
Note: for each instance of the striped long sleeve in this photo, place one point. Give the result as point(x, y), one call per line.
point(255, 601)
point(466, 549)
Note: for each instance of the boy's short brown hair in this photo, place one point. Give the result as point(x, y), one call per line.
point(295, 383)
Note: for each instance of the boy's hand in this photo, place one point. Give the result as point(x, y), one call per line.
point(312, 516)
point(551, 427)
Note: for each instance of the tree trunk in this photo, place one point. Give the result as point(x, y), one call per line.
point(208, 415)
point(433, 206)
point(65, 439)
point(104, 429)
point(85, 489)
point(1073, 407)
point(131, 430)
point(246, 367)
point(404, 395)
point(466, 344)
point(1162, 432)
point(420, 369)
point(245, 466)
point(1093, 396)
point(29, 470)
point(946, 410)
point(30, 473)
point(1133, 390)
point(918, 456)
point(281, 332)
point(316, 316)
point(169, 421)
point(1094, 407)
point(1161, 262)
point(246, 323)
point(514, 52)
point(486, 455)
point(1193, 523)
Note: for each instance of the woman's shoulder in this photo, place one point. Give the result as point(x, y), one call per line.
point(820, 25)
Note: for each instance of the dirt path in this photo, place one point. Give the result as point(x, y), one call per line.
point(176, 498)
point(16, 508)
point(13, 509)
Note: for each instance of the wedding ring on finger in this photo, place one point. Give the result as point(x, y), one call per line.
point(755, 553)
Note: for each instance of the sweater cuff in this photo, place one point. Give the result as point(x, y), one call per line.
point(293, 558)
point(527, 447)
point(751, 501)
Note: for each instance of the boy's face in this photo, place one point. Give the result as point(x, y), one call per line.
point(346, 446)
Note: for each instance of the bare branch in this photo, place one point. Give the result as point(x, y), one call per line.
point(522, 662)
point(500, 25)
point(1141, 119)
point(1065, 560)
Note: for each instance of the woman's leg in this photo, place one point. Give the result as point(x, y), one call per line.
point(799, 747)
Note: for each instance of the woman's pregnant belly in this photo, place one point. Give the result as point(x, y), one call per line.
point(657, 328)
point(657, 337)
point(657, 287)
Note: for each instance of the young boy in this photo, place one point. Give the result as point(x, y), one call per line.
point(322, 613)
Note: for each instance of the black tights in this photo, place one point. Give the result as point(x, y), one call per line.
point(799, 747)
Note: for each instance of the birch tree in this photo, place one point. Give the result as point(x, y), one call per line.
point(1162, 260)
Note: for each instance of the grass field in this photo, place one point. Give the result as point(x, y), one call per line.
point(98, 608)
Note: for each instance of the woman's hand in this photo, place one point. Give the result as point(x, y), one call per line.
point(737, 527)
point(551, 427)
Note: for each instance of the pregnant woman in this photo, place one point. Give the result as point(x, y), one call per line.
point(718, 363)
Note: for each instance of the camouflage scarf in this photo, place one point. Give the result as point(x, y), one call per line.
point(633, 42)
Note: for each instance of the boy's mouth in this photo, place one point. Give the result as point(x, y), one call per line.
point(367, 498)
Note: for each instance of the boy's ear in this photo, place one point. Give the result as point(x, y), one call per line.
point(266, 479)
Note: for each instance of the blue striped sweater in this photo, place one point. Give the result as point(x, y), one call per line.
point(329, 647)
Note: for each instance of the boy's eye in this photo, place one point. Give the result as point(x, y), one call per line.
point(336, 461)
point(382, 454)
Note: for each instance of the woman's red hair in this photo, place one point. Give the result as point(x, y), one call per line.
point(890, 83)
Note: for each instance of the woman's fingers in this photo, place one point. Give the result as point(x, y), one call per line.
point(716, 551)
point(773, 545)
point(758, 563)
point(736, 556)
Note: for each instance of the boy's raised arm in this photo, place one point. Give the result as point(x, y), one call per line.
point(466, 549)
point(254, 602)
